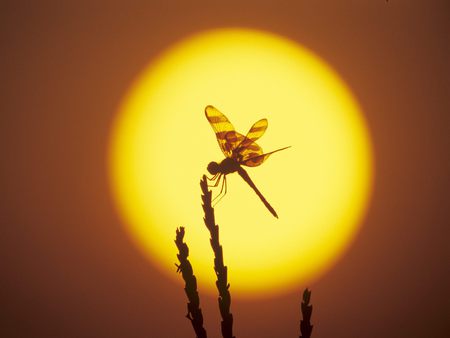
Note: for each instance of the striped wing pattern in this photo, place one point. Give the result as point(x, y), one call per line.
point(235, 145)
point(234, 139)
point(221, 126)
point(256, 131)
point(256, 160)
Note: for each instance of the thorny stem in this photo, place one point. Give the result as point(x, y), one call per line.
point(193, 306)
point(219, 267)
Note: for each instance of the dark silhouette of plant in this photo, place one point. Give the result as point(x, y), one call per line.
point(193, 306)
point(305, 323)
point(194, 312)
point(220, 269)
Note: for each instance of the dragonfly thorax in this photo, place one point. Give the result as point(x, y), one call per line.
point(227, 166)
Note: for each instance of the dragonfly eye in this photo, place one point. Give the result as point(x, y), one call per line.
point(213, 168)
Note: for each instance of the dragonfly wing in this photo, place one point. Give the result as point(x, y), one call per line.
point(234, 139)
point(221, 126)
point(256, 160)
point(256, 131)
point(251, 149)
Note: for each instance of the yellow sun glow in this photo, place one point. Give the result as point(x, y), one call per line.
point(161, 144)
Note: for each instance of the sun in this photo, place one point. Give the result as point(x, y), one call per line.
point(161, 143)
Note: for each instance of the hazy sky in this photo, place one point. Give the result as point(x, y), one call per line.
point(68, 268)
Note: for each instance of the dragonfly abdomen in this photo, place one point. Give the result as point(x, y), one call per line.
point(241, 171)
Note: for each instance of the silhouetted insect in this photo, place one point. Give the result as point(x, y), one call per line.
point(238, 150)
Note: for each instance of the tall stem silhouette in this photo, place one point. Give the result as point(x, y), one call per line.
point(193, 306)
point(219, 267)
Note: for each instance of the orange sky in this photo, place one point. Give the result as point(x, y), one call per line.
point(68, 269)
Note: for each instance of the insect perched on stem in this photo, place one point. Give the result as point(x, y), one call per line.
point(238, 150)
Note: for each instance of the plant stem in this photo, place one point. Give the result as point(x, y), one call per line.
point(193, 306)
point(305, 323)
point(219, 267)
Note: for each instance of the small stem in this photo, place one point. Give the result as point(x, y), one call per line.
point(305, 323)
point(219, 267)
point(194, 314)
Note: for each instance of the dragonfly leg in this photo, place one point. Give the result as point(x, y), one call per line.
point(212, 178)
point(215, 179)
point(222, 193)
point(221, 188)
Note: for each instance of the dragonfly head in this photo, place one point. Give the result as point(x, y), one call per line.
point(213, 168)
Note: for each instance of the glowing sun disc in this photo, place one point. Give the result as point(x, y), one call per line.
point(161, 143)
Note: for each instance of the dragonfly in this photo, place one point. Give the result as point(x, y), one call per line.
point(239, 150)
